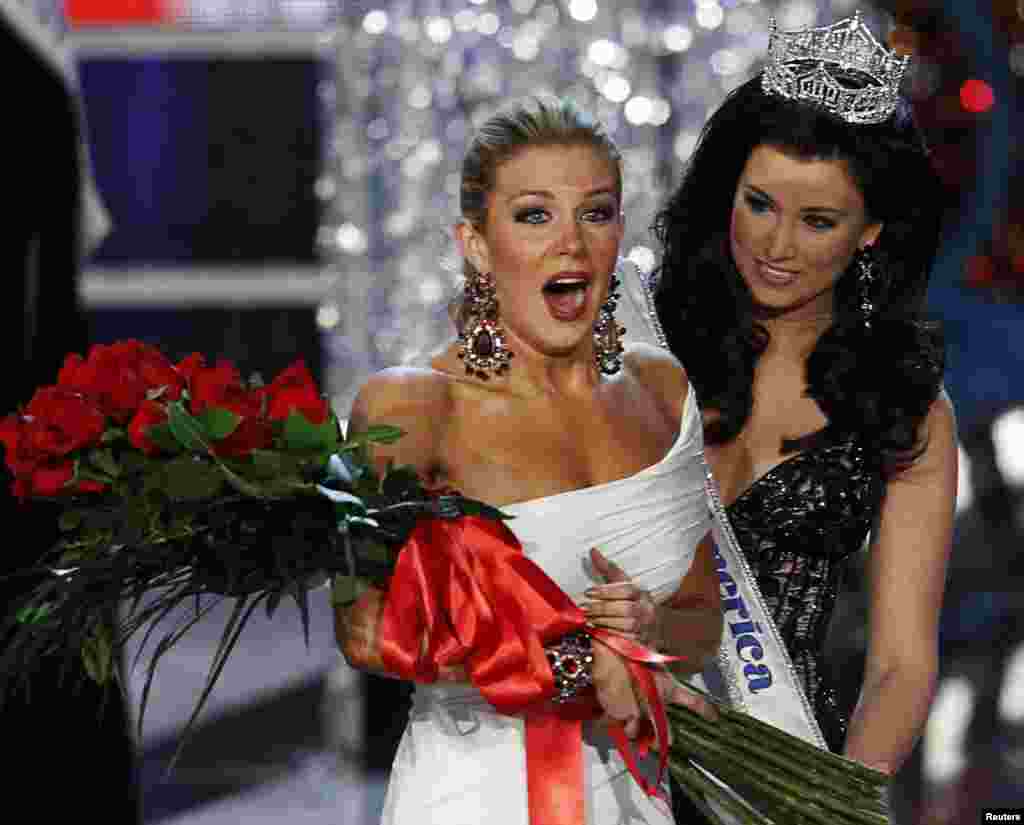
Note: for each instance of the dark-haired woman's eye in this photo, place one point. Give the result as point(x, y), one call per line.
point(756, 203)
point(820, 223)
point(531, 214)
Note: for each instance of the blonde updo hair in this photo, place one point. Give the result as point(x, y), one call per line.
point(536, 120)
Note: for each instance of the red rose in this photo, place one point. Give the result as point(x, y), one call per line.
point(119, 376)
point(33, 446)
point(61, 421)
point(188, 367)
point(52, 480)
point(295, 391)
point(221, 386)
point(14, 439)
point(149, 414)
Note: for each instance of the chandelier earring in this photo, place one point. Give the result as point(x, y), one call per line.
point(867, 281)
point(607, 332)
point(481, 337)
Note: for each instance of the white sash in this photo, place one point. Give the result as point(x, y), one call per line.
point(752, 671)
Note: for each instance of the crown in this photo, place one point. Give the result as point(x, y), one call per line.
point(841, 67)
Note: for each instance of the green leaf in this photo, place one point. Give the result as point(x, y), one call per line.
point(401, 482)
point(34, 614)
point(331, 430)
point(104, 460)
point(376, 434)
point(98, 655)
point(186, 428)
point(375, 552)
point(70, 520)
point(134, 462)
point(112, 434)
point(218, 423)
point(300, 434)
point(162, 436)
point(268, 464)
point(346, 589)
point(185, 479)
point(243, 485)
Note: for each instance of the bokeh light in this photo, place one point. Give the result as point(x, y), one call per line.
point(375, 21)
point(677, 37)
point(976, 96)
point(583, 10)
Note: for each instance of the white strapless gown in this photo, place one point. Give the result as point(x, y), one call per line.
point(460, 762)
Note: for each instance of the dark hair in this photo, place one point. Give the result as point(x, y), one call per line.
point(877, 383)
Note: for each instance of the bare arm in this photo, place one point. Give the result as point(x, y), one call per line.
point(907, 572)
point(407, 400)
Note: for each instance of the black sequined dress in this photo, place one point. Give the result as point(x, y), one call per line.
point(798, 526)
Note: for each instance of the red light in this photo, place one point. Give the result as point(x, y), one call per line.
point(117, 12)
point(977, 96)
point(979, 270)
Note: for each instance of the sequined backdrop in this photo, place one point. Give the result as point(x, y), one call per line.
point(415, 76)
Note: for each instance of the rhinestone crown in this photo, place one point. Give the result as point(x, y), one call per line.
point(841, 67)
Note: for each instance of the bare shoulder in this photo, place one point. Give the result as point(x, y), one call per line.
point(659, 372)
point(414, 399)
point(940, 430)
point(939, 457)
point(402, 391)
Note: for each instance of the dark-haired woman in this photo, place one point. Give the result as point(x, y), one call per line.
point(797, 252)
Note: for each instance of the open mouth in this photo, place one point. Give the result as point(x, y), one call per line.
point(566, 296)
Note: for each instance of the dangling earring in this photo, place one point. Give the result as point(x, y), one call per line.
point(867, 277)
point(483, 340)
point(607, 332)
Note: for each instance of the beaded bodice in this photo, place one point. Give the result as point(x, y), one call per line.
point(798, 526)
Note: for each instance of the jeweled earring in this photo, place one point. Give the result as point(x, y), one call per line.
point(867, 278)
point(482, 339)
point(607, 332)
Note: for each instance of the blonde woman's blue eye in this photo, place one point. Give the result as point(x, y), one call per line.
point(601, 214)
point(531, 216)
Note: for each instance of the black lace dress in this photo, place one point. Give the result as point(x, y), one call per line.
point(799, 526)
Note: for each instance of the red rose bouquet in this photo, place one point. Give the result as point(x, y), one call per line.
point(178, 484)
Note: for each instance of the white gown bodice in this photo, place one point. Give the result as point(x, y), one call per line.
point(460, 762)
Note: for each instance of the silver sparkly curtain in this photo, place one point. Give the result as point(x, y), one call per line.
point(415, 76)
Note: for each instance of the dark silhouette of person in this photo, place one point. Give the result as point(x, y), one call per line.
point(70, 754)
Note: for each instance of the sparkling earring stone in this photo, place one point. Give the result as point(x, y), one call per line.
point(483, 345)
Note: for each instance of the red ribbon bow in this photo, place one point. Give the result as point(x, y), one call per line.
point(464, 593)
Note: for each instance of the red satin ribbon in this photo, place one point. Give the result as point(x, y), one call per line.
point(464, 593)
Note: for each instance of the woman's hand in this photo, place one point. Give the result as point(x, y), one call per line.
point(622, 702)
point(620, 605)
point(613, 686)
point(674, 692)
